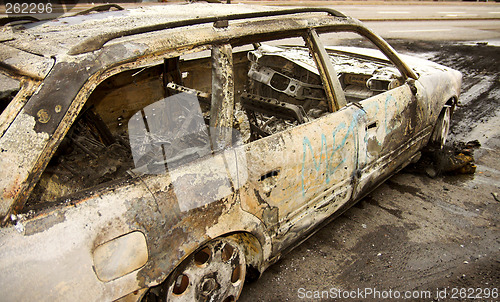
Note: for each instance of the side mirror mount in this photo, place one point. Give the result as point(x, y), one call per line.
point(411, 84)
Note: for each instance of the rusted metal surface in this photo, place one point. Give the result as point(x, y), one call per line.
point(15, 105)
point(220, 20)
point(222, 107)
point(206, 272)
point(276, 142)
point(24, 63)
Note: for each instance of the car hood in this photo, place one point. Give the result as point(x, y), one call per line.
point(419, 65)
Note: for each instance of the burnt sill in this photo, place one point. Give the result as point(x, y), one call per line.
point(34, 208)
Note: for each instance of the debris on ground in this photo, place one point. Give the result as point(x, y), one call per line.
point(495, 195)
point(457, 158)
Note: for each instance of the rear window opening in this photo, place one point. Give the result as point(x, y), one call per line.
point(98, 149)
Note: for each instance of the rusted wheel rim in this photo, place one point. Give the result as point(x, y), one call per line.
point(440, 134)
point(445, 127)
point(216, 272)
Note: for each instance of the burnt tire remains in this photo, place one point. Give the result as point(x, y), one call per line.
point(215, 272)
point(440, 133)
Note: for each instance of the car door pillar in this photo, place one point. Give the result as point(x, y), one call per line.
point(222, 104)
point(333, 89)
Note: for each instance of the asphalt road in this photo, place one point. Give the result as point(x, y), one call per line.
point(391, 11)
point(446, 21)
point(446, 30)
point(451, 22)
point(400, 10)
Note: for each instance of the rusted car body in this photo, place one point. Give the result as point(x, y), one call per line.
point(140, 150)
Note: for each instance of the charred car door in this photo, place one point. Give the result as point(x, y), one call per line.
point(390, 104)
point(389, 134)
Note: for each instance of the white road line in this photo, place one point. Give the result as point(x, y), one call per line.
point(419, 30)
point(457, 14)
point(493, 12)
point(393, 12)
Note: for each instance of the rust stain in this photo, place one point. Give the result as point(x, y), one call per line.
point(43, 116)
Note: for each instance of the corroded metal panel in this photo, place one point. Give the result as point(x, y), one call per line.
point(18, 158)
point(307, 160)
point(222, 107)
point(25, 63)
point(56, 246)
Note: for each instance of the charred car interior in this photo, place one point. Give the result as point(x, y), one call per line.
point(185, 156)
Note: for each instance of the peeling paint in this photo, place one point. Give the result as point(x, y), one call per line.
point(17, 155)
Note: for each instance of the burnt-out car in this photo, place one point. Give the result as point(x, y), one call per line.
point(171, 152)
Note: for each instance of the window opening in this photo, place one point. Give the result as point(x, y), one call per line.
point(170, 105)
point(363, 70)
point(278, 85)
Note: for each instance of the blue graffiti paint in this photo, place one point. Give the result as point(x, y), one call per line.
point(326, 156)
point(330, 167)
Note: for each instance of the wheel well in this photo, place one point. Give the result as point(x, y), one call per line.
point(253, 253)
point(253, 257)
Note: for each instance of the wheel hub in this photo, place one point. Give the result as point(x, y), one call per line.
point(208, 286)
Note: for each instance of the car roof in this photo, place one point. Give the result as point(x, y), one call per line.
point(86, 33)
point(60, 35)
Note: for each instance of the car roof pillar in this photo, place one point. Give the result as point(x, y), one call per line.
point(333, 89)
point(222, 106)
